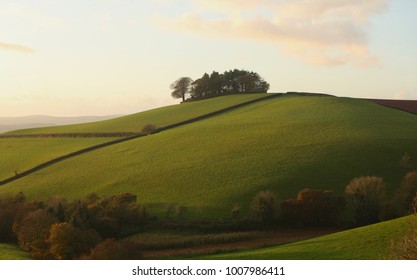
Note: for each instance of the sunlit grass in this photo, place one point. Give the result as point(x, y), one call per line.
point(366, 243)
point(19, 155)
point(12, 252)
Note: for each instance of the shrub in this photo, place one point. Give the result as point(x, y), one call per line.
point(149, 129)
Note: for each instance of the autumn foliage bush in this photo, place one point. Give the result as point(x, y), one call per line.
point(56, 229)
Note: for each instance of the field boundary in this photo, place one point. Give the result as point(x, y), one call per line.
point(408, 106)
point(125, 139)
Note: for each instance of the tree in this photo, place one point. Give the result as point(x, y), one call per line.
point(67, 242)
point(406, 193)
point(9, 207)
point(181, 87)
point(216, 84)
point(200, 87)
point(365, 197)
point(265, 206)
point(318, 207)
point(33, 233)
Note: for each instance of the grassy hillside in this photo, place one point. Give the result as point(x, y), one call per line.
point(159, 117)
point(283, 144)
point(366, 243)
point(23, 154)
point(11, 252)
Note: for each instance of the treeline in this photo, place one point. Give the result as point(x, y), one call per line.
point(94, 228)
point(86, 228)
point(364, 202)
point(216, 84)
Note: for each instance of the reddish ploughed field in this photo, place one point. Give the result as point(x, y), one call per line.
point(405, 105)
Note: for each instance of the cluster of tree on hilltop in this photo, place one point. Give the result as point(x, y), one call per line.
point(216, 84)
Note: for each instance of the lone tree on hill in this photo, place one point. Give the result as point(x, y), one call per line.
point(181, 87)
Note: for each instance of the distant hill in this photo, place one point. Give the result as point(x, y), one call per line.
point(14, 123)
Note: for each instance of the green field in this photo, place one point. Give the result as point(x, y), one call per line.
point(367, 243)
point(22, 154)
point(284, 144)
point(12, 252)
point(160, 117)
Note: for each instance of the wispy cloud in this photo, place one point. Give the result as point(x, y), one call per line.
point(320, 32)
point(16, 48)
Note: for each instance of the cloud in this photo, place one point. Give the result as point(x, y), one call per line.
point(319, 32)
point(15, 48)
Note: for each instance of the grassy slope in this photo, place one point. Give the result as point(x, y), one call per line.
point(11, 252)
point(23, 154)
point(283, 144)
point(366, 243)
point(159, 117)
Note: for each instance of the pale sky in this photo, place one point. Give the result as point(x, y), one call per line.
point(99, 57)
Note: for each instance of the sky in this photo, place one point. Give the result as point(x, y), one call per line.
point(103, 57)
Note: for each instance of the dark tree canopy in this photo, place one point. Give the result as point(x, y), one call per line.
point(216, 84)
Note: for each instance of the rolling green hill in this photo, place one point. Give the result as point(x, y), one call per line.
point(284, 144)
point(160, 117)
point(367, 243)
point(21, 154)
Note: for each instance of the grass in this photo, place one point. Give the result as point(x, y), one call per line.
point(366, 243)
point(22, 154)
point(12, 252)
point(283, 144)
point(159, 117)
